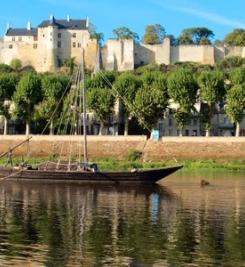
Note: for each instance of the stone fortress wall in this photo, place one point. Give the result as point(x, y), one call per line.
point(51, 44)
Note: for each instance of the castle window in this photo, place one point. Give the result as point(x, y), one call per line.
point(59, 35)
point(10, 46)
point(20, 39)
point(74, 44)
point(74, 35)
point(13, 39)
point(35, 46)
point(79, 45)
point(59, 44)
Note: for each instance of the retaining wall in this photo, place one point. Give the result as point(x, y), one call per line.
point(119, 146)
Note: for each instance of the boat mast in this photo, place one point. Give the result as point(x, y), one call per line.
point(85, 147)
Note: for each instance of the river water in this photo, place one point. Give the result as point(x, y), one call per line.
point(178, 223)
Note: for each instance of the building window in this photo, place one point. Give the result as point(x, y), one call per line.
point(13, 39)
point(59, 44)
point(79, 45)
point(74, 44)
point(170, 122)
point(187, 132)
point(59, 35)
point(35, 38)
point(43, 35)
point(74, 35)
point(20, 39)
point(10, 46)
point(35, 46)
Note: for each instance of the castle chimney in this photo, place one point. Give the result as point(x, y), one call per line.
point(68, 18)
point(87, 22)
point(51, 18)
point(28, 25)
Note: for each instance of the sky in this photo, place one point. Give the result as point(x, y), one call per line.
point(221, 16)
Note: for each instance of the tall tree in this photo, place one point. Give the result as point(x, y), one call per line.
point(125, 33)
point(100, 97)
point(212, 90)
point(197, 35)
point(182, 89)
point(154, 34)
point(151, 100)
point(101, 101)
point(127, 85)
point(235, 100)
point(26, 97)
point(8, 83)
point(235, 38)
point(52, 87)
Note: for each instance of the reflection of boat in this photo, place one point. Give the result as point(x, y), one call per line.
point(76, 171)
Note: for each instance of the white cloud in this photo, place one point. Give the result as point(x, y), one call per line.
point(209, 16)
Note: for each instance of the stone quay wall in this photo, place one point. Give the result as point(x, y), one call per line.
point(194, 148)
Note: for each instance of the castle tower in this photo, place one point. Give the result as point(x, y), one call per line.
point(51, 45)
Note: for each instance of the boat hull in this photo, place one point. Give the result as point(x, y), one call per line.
point(135, 177)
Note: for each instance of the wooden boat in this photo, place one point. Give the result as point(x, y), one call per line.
point(77, 172)
point(88, 177)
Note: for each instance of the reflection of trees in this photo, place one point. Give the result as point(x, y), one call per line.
point(78, 226)
point(182, 240)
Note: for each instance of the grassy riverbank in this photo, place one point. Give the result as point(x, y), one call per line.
point(113, 164)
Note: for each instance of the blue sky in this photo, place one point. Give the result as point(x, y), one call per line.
point(221, 16)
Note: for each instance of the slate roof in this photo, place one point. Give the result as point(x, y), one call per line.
point(65, 24)
point(21, 32)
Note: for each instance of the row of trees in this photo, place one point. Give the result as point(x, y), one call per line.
point(144, 94)
point(154, 34)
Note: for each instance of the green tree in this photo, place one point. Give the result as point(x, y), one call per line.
point(154, 34)
point(52, 87)
point(235, 38)
point(182, 89)
point(16, 64)
point(230, 63)
point(70, 64)
point(26, 97)
point(4, 68)
point(8, 83)
point(235, 100)
point(212, 90)
point(99, 36)
point(237, 76)
point(101, 101)
point(197, 35)
point(125, 33)
point(126, 85)
point(151, 100)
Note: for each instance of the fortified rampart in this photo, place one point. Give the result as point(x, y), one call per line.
point(220, 148)
point(55, 40)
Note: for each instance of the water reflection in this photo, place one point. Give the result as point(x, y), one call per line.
point(180, 224)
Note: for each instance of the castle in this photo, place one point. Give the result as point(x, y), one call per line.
point(54, 40)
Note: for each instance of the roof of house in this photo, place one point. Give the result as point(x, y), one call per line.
point(65, 24)
point(21, 32)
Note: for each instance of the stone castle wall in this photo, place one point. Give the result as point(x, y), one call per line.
point(195, 148)
point(121, 55)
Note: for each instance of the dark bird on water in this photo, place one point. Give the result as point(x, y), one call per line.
point(204, 183)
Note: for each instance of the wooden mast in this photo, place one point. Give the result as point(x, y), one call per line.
point(85, 147)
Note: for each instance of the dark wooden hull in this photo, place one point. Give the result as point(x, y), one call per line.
point(136, 177)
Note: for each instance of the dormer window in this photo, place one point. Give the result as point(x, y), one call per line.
point(74, 35)
point(59, 35)
point(13, 39)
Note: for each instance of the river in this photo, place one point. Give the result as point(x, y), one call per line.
point(178, 223)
